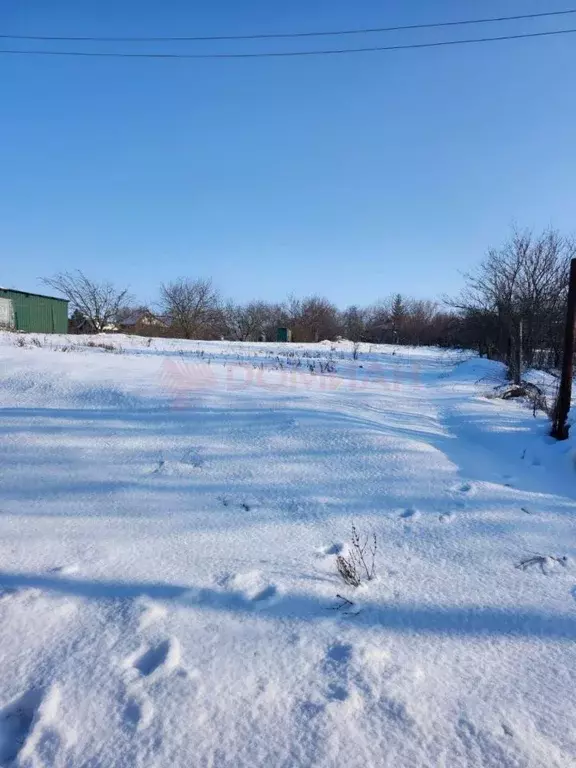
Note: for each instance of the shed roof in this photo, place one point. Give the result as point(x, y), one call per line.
point(31, 293)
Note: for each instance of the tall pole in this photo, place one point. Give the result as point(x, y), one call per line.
point(518, 356)
point(520, 350)
point(560, 426)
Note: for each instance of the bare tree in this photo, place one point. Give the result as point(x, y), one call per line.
point(192, 308)
point(524, 282)
point(354, 321)
point(313, 319)
point(98, 302)
point(421, 323)
point(278, 317)
point(247, 322)
point(379, 323)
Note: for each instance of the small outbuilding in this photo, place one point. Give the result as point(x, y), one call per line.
point(284, 334)
point(32, 312)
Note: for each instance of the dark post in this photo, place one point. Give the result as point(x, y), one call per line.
point(520, 350)
point(560, 425)
point(518, 356)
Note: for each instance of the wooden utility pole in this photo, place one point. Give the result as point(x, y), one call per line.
point(520, 350)
point(560, 426)
point(518, 356)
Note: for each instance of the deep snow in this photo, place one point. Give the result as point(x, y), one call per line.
point(170, 518)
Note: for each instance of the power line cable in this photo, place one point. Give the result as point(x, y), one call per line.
point(278, 35)
point(277, 54)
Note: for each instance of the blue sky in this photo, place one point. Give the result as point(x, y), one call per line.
point(351, 177)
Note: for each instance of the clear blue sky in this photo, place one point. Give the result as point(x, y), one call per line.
point(352, 177)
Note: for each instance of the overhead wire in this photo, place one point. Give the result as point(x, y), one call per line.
point(284, 35)
point(279, 54)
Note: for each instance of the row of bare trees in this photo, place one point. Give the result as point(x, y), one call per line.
point(194, 309)
point(511, 308)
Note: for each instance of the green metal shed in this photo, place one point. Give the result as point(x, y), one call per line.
point(283, 334)
point(33, 312)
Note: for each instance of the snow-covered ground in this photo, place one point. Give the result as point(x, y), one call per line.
point(170, 518)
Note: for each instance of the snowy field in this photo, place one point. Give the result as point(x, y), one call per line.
point(170, 517)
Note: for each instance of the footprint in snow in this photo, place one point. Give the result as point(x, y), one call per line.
point(336, 670)
point(65, 570)
point(7, 592)
point(482, 746)
point(16, 723)
point(193, 458)
point(447, 517)
point(150, 614)
point(22, 594)
point(139, 712)
point(288, 425)
point(333, 549)
point(27, 730)
point(148, 664)
point(160, 658)
point(410, 514)
point(294, 508)
point(252, 586)
point(339, 653)
point(186, 467)
point(267, 595)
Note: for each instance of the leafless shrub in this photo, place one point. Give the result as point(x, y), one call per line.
point(539, 402)
point(20, 341)
point(348, 570)
point(104, 346)
point(529, 392)
point(35, 341)
point(360, 563)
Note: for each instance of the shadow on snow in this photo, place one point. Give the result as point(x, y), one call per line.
point(475, 621)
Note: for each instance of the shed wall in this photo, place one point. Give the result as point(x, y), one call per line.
point(37, 314)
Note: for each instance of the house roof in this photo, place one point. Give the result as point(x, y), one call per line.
point(135, 318)
point(131, 319)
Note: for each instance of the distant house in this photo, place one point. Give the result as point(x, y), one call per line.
point(32, 312)
point(142, 322)
point(80, 324)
